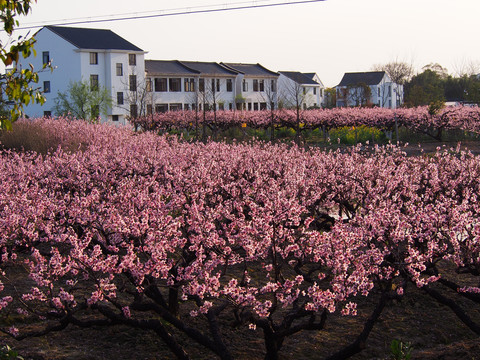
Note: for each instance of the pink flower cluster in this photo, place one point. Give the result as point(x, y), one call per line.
point(257, 227)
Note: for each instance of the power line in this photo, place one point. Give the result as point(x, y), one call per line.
point(175, 13)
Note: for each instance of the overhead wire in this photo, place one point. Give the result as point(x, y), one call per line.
point(175, 12)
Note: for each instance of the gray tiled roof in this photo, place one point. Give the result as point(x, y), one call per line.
point(208, 68)
point(250, 69)
point(168, 67)
point(95, 39)
point(299, 77)
point(368, 78)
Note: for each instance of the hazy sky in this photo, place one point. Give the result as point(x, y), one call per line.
point(330, 37)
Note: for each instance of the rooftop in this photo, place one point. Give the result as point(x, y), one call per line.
point(99, 39)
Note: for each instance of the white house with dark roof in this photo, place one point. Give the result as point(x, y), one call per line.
point(78, 54)
point(303, 90)
point(369, 88)
point(188, 85)
point(256, 86)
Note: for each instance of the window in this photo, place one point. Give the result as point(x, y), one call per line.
point(45, 57)
point(119, 68)
point(175, 84)
point(379, 92)
point(133, 82)
point(314, 91)
point(160, 108)
point(94, 82)
point(133, 111)
point(201, 85)
point(194, 106)
point(215, 85)
point(273, 86)
point(263, 106)
point(229, 85)
point(221, 106)
point(120, 98)
point(244, 85)
point(189, 85)
point(175, 107)
point(262, 85)
point(249, 106)
point(149, 109)
point(114, 117)
point(93, 58)
point(186, 107)
point(132, 59)
point(160, 84)
point(148, 84)
point(46, 86)
point(255, 106)
point(230, 106)
point(304, 90)
point(255, 85)
point(47, 113)
point(95, 111)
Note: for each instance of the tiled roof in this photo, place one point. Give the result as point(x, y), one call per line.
point(168, 67)
point(250, 69)
point(100, 39)
point(299, 77)
point(368, 78)
point(210, 68)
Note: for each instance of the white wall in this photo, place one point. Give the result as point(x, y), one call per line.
point(67, 68)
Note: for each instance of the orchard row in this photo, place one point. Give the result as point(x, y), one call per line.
point(420, 119)
point(148, 232)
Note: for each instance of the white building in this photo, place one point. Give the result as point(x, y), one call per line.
point(372, 88)
point(185, 85)
point(303, 90)
point(100, 57)
point(256, 86)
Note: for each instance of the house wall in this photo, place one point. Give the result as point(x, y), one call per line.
point(188, 98)
point(290, 92)
point(72, 64)
point(257, 100)
point(67, 67)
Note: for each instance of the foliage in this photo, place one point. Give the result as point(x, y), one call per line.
point(359, 94)
point(192, 238)
point(356, 134)
point(424, 88)
point(7, 353)
point(82, 101)
point(16, 84)
point(330, 98)
point(400, 350)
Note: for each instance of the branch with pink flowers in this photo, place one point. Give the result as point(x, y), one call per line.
point(153, 233)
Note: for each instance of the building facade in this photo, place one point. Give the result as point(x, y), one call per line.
point(97, 56)
point(369, 89)
point(300, 90)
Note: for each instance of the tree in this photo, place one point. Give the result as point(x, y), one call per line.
point(359, 93)
point(425, 88)
point(16, 84)
point(398, 71)
point(330, 98)
point(83, 100)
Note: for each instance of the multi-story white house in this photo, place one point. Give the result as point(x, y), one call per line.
point(188, 85)
point(100, 57)
point(184, 85)
point(372, 88)
point(302, 90)
point(256, 86)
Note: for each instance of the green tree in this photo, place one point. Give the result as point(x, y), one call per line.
point(425, 88)
point(83, 100)
point(16, 84)
point(330, 98)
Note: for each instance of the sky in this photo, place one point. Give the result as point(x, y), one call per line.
point(328, 37)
